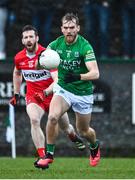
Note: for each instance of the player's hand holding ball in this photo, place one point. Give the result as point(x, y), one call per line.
point(49, 59)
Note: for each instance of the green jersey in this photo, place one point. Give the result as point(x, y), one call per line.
point(73, 57)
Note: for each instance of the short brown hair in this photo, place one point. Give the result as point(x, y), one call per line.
point(69, 17)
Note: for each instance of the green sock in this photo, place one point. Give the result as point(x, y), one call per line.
point(94, 145)
point(50, 148)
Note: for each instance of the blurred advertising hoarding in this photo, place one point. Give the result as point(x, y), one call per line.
point(102, 94)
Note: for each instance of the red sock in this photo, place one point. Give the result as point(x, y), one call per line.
point(72, 137)
point(41, 152)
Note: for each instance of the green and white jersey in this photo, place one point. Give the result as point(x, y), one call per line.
point(73, 58)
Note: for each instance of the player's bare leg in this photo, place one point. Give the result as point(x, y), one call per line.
point(44, 162)
point(35, 114)
point(69, 130)
point(57, 108)
point(82, 124)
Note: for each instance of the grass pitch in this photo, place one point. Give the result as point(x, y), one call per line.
point(68, 168)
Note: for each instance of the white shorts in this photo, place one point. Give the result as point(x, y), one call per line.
point(80, 104)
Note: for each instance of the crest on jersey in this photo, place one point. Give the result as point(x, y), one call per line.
point(76, 54)
point(31, 64)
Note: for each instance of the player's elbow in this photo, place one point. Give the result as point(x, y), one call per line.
point(96, 75)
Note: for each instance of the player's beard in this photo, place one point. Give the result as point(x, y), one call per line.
point(31, 47)
point(70, 38)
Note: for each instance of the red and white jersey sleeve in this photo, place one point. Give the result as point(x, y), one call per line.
point(36, 80)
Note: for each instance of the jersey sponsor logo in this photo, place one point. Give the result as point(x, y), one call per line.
point(36, 75)
point(70, 65)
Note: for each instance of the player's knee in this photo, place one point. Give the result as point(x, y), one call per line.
point(53, 119)
point(35, 122)
point(82, 132)
point(68, 129)
point(86, 132)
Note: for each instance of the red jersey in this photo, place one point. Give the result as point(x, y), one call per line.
point(36, 80)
